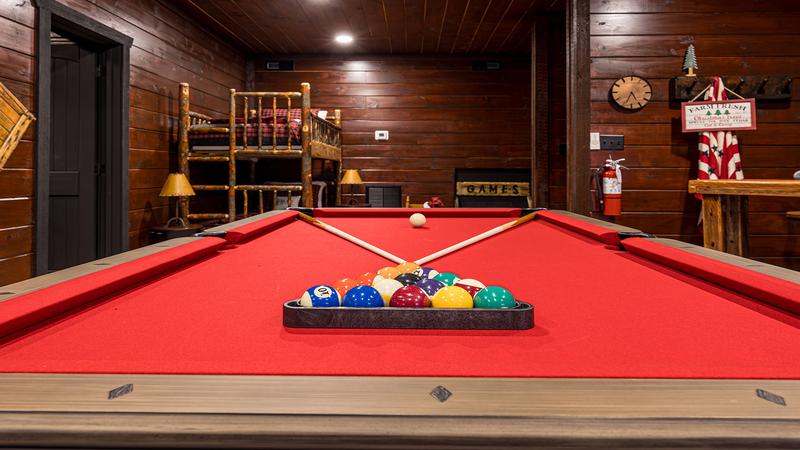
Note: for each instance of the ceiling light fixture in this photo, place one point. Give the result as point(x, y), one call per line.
point(343, 39)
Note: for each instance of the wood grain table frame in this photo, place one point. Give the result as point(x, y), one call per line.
point(238, 411)
point(725, 208)
point(393, 412)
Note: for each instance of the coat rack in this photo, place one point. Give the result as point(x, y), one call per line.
point(760, 87)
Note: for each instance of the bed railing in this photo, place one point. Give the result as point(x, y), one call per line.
point(325, 131)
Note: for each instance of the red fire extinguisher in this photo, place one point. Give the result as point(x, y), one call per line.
point(612, 187)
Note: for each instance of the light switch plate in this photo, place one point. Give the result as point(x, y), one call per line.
point(594, 141)
point(381, 135)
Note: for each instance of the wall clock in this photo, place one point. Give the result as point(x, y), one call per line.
point(631, 92)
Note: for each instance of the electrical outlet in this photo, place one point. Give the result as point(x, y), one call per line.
point(381, 135)
point(612, 142)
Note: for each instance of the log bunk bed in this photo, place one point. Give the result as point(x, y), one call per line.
point(262, 132)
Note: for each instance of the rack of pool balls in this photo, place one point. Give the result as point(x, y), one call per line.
point(408, 285)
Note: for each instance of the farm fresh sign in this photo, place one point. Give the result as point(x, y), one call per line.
point(727, 115)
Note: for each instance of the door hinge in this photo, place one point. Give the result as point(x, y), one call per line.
point(100, 70)
point(99, 169)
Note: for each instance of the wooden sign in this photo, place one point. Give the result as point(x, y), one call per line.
point(14, 120)
point(726, 115)
point(493, 189)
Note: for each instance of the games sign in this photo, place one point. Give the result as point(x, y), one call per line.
point(492, 188)
point(725, 115)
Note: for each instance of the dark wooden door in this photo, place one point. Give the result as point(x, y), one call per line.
point(73, 214)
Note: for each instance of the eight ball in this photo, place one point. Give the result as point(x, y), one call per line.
point(407, 279)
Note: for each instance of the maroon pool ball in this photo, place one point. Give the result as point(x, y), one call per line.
point(410, 297)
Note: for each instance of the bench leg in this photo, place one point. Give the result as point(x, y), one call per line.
point(725, 223)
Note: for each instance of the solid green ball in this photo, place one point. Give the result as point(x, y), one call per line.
point(494, 297)
point(448, 278)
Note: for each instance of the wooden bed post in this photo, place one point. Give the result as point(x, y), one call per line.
point(308, 193)
point(232, 158)
point(183, 144)
point(337, 120)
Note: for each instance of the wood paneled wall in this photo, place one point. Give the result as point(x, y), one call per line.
point(441, 115)
point(167, 49)
point(649, 38)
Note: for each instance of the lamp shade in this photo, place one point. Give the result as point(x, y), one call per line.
point(351, 176)
point(177, 185)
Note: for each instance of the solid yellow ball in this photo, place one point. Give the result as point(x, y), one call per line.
point(452, 297)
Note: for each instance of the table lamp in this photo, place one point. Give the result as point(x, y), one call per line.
point(352, 178)
point(177, 185)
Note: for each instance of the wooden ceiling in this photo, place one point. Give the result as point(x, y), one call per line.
point(379, 26)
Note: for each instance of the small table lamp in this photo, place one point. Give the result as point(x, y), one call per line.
point(351, 177)
point(177, 185)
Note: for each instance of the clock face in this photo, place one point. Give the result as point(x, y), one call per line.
point(631, 92)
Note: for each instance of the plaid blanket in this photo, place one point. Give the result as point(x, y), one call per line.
point(281, 131)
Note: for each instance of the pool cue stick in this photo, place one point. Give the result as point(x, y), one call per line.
point(477, 238)
point(348, 237)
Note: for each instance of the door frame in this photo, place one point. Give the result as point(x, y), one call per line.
point(115, 48)
point(578, 102)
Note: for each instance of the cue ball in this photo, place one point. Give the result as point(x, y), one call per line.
point(417, 220)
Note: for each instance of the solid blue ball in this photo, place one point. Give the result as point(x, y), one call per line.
point(363, 297)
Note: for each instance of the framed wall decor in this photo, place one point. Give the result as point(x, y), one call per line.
point(725, 115)
point(14, 120)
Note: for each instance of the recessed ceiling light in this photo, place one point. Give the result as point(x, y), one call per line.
point(343, 39)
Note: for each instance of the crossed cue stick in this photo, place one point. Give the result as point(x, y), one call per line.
point(455, 247)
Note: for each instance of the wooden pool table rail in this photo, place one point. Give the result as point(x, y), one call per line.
point(33, 284)
point(176, 410)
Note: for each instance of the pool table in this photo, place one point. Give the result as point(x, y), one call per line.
point(638, 342)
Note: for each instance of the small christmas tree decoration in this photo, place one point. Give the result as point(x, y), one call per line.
point(690, 61)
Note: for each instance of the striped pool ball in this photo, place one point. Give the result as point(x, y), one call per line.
point(470, 285)
point(448, 278)
point(386, 288)
point(431, 287)
point(320, 296)
point(426, 272)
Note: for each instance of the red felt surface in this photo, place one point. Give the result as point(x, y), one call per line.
point(600, 312)
point(29, 309)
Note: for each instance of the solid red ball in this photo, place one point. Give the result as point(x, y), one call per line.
point(410, 297)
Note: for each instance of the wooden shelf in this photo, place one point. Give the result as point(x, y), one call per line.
point(772, 188)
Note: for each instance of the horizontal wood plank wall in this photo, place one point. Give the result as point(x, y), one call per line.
point(440, 114)
point(17, 67)
point(648, 39)
point(167, 49)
